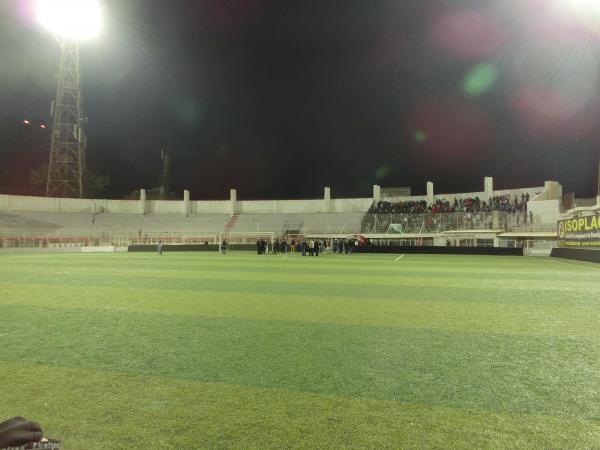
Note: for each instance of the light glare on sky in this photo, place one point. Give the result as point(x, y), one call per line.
point(71, 19)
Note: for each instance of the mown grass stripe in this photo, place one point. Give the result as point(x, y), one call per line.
point(103, 410)
point(475, 295)
point(340, 285)
point(462, 314)
point(177, 266)
point(550, 375)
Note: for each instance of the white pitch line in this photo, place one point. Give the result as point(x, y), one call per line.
point(566, 263)
point(399, 257)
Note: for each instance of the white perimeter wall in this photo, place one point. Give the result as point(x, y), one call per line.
point(214, 206)
point(163, 206)
point(49, 204)
point(280, 206)
point(533, 192)
point(545, 212)
point(23, 203)
point(118, 206)
point(351, 204)
point(412, 198)
point(304, 206)
point(337, 205)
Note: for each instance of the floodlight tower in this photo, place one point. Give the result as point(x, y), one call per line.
point(68, 141)
point(71, 22)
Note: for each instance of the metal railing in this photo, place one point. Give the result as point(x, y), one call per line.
point(118, 238)
point(32, 239)
point(439, 222)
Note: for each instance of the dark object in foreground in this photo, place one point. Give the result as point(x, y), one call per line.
point(48, 444)
point(20, 433)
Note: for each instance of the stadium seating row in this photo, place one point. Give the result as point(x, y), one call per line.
point(137, 225)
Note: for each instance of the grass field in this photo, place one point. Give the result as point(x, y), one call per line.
point(200, 350)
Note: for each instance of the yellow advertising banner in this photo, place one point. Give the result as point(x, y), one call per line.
point(579, 232)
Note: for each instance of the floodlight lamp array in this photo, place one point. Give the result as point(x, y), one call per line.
point(75, 20)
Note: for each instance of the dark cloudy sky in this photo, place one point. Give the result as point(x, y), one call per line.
point(280, 98)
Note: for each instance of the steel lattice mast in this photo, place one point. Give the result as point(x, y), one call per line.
point(68, 144)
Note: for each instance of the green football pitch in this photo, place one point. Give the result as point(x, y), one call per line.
point(202, 350)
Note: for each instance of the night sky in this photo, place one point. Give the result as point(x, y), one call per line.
point(280, 98)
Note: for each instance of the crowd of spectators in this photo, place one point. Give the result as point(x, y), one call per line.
point(470, 213)
point(505, 203)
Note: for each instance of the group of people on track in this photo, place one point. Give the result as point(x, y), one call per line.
point(310, 247)
point(306, 246)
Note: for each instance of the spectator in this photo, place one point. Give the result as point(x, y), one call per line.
point(504, 203)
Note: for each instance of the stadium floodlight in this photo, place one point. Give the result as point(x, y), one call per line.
point(71, 22)
point(75, 20)
point(585, 4)
point(587, 10)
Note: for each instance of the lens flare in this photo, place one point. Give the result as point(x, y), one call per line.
point(555, 86)
point(480, 79)
point(454, 132)
point(466, 34)
point(420, 136)
point(383, 171)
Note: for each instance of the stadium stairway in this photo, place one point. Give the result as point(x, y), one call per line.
point(231, 223)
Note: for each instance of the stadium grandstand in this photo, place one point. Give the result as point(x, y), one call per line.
point(519, 217)
point(145, 305)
